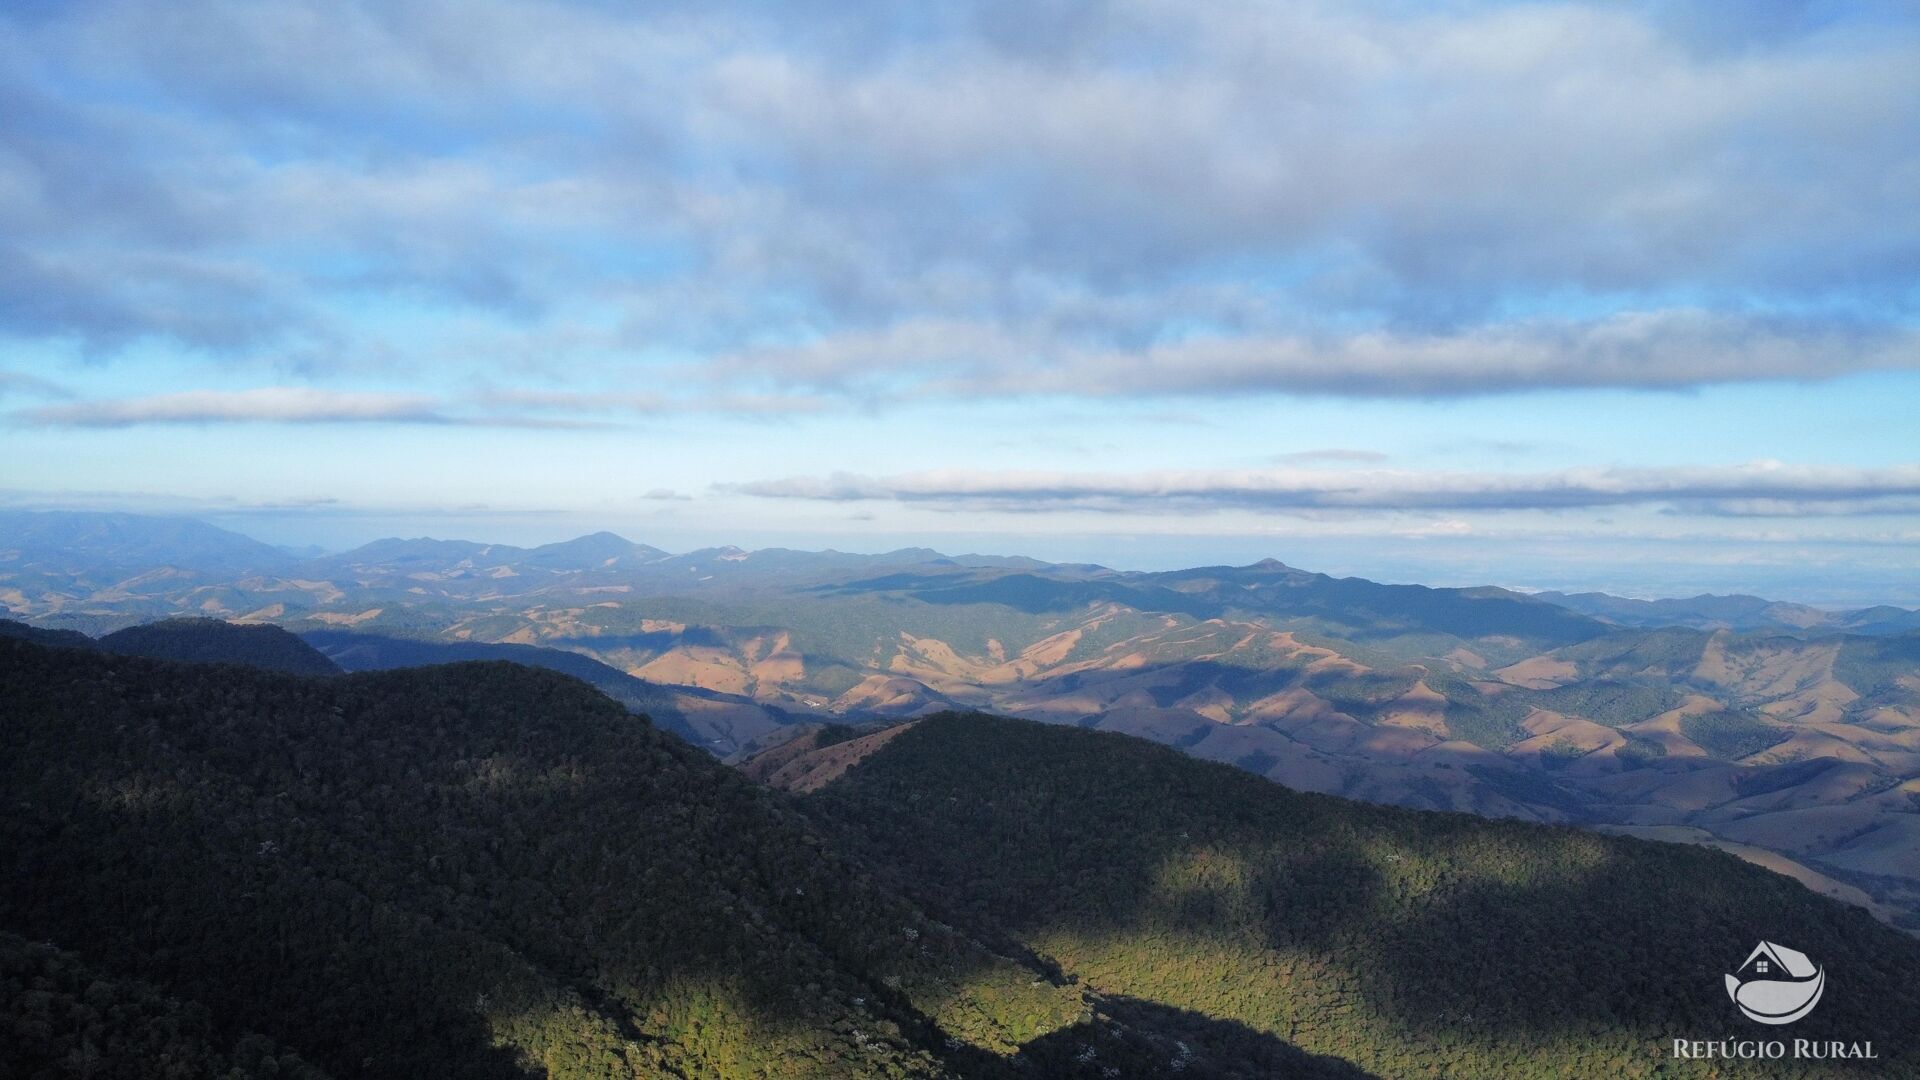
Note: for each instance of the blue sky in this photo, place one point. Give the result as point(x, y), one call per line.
point(1550, 295)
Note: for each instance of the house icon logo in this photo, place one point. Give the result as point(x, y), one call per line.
point(1776, 985)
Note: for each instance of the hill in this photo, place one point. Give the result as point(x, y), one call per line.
point(1798, 747)
point(87, 543)
point(466, 871)
point(720, 723)
point(213, 641)
point(1745, 613)
point(487, 869)
point(65, 639)
point(1410, 943)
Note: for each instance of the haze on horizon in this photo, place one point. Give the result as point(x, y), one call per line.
point(1618, 296)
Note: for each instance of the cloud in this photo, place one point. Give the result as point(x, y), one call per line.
point(230, 507)
point(1330, 455)
point(1664, 350)
point(1133, 197)
point(650, 404)
point(540, 410)
point(19, 382)
point(1755, 489)
point(273, 404)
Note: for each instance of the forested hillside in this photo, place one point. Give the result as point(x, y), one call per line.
point(485, 869)
point(1791, 738)
point(210, 641)
point(718, 722)
point(466, 871)
point(61, 1018)
point(1411, 943)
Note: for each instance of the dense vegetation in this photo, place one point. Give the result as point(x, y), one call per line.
point(1409, 943)
point(59, 1018)
point(206, 641)
point(486, 870)
point(71, 639)
point(376, 652)
point(1730, 735)
point(475, 870)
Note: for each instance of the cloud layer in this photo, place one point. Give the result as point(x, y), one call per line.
point(295, 405)
point(1662, 350)
point(986, 199)
point(1758, 489)
point(306, 405)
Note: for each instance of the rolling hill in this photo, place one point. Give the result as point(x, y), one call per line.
point(1479, 700)
point(720, 723)
point(465, 871)
point(262, 646)
point(1746, 613)
point(1409, 943)
point(488, 869)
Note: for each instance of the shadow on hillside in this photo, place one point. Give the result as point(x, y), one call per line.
point(364, 868)
point(1167, 682)
point(650, 641)
point(1027, 593)
point(1361, 609)
point(1145, 1040)
point(1370, 929)
point(391, 873)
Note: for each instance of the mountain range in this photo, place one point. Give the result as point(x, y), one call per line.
point(488, 869)
point(1788, 736)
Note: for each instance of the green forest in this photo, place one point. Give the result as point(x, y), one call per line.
point(464, 871)
point(490, 870)
point(1410, 943)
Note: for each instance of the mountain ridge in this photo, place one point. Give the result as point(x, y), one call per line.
point(1474, 699)
point(486, 869)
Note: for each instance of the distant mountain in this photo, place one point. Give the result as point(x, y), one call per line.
point(422, 555)
point(1407, 943)
point(97, 572)
point(1746, 613)
point(95, 545)
point(1482, 700)
point(1385, 616)
point(212, 641)
point(599, 551)
point(1401, 620)
point(602, 551)
point(598, 561)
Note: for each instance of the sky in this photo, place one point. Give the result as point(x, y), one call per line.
point(1612, 295)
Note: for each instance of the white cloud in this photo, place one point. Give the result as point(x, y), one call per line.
point(537, 409)
point(1755, 489)
point(1668, 349)
point(1334, 455)
point(652, 404)
point(277, 404)
point(1343, 198)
